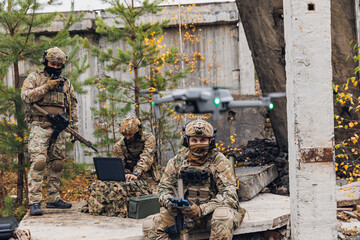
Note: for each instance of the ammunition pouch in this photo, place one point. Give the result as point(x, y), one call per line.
point(191, 176)
point(53, 98)
point(198, 194)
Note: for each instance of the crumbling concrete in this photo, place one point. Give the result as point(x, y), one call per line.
point(264, 212)
point(253, 179)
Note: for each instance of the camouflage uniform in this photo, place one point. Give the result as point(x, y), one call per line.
point(138, 156)
point(42, 153)
point(215, 195)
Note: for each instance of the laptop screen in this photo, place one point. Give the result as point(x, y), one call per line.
point(109, 168)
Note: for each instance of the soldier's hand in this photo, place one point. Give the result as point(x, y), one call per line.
point(130, 177)
point(52, 84)
point(171, 209)
point(193, 211)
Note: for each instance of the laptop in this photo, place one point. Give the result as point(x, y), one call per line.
point(109, 168)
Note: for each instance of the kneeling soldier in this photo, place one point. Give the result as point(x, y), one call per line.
point(136, 148)
point(209, 187)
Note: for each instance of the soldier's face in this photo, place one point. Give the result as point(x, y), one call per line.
point(199, 140)
point(55, 65)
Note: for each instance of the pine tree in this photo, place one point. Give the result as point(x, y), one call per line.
point(18, 42)
point(145, 59)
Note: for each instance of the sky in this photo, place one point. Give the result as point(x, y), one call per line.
point(99, 4)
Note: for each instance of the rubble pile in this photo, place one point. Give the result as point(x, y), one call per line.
point(260, 152)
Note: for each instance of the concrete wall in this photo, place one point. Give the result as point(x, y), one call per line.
point(357, 11)
point(222, 43)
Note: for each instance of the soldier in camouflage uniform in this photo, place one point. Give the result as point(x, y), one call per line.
point(55, 94)
point(136, 148)
point(212, 194)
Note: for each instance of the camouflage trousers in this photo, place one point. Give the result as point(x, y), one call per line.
point(43, 156)
point(221, 224)
point(111, 198)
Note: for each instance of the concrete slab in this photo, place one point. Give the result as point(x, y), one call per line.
point(72, 224)
point(254, 179)
point(264, 212)
point(348, 194)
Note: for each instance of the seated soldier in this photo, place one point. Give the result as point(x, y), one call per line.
point(137, 149)
point(209, 185)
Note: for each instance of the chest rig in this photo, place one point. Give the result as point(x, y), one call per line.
point(132, 152)
point(199, 185)
point(54, 101)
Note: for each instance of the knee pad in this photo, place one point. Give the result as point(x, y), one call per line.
point(222, 213)
point(56, 165)
point(39, 162)
point(147, 224)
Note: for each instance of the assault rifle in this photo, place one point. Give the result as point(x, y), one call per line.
point(59, 123)
point(179, 203)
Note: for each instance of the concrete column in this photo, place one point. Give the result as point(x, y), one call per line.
point(246, 65)
point(357, 11)
point(310, 119)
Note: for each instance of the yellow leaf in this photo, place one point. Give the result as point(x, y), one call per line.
point(351, 124)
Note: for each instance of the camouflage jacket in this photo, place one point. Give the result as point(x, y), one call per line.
point(222, 186)
point(141, 155)
point(34, 91)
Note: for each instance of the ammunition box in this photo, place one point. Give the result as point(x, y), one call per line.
point(141, 207)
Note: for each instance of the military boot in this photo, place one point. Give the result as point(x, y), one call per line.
point(59, 204)
point(35, 209)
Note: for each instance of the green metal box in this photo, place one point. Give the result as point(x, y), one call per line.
point(141, 207)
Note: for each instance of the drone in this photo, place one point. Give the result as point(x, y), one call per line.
point(209, 100)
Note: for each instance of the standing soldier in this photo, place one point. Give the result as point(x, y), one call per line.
point(136, 148)
point(55, 94)
point(208, 185)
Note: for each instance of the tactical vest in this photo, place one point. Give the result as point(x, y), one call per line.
point(132, 157)
point(53, 102)
point(199, 185)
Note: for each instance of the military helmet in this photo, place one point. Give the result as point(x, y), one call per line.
point(199, 128)
point(130, 126)
point(54, 55)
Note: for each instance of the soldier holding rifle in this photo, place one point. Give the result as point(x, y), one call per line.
point(55, 95)
point(209, 186)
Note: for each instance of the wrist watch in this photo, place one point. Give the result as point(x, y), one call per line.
point(136, 173)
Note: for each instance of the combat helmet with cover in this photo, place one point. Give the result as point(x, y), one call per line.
point(131, 126)
point(198, 128)
point(54, 55)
